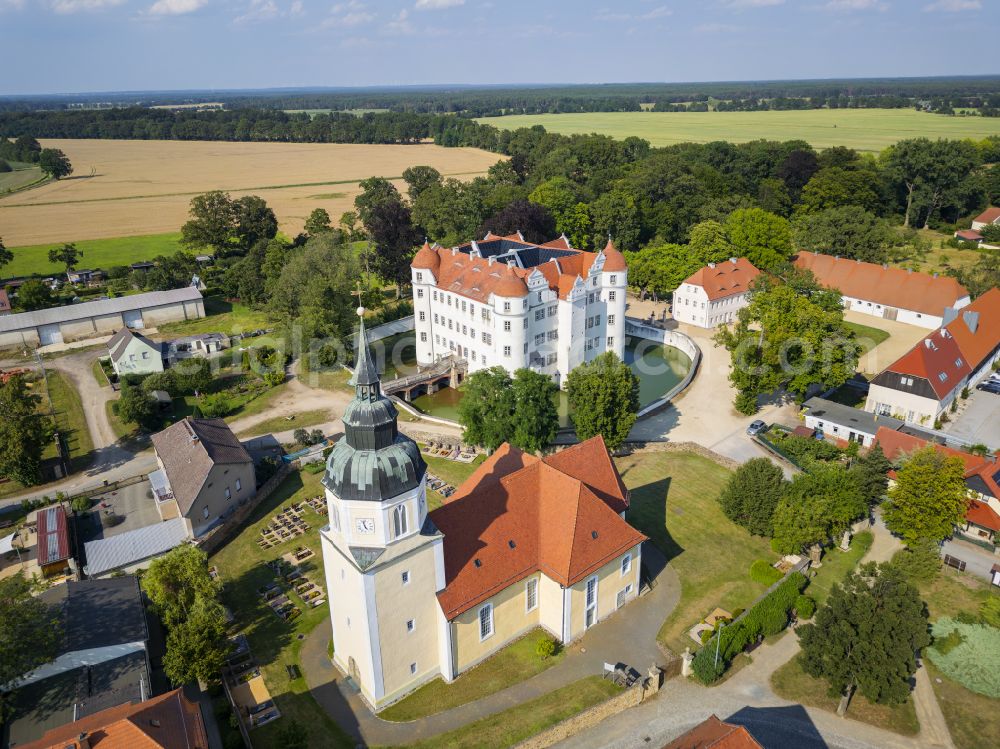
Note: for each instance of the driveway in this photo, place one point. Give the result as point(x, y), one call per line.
point(902, 338)
point(627, 637)
point(978, 419)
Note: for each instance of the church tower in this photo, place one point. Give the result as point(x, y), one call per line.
point(384, 559)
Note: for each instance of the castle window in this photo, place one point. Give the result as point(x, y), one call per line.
point(413, 668)
point(531, 594)
point(611, 319)
point(485, 621)
point(420, 276)
point(506, 325)
point(406, 577)
point(410, 625)
point(611, 296)
point(423, 316)
point(506, 350)
point(614, 279)
point(420, 293)
point(399, 520)
point(611, 341)
point(423, 338)
point(506, 306)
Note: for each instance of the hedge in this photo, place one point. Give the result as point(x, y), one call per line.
point(769, 616)
point(762, 572)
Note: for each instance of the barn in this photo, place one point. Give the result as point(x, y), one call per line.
point(76, 322)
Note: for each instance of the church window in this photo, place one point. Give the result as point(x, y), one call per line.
point(399, 521)
point(531, 594)
point(413, 668)
point(485, 621)
point(335, 519)
point(410, 625)
point(406, 577)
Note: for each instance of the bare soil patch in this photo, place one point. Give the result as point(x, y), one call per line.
point(144, 187)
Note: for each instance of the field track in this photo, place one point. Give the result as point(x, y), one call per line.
point(144, 187)
point(862, 129)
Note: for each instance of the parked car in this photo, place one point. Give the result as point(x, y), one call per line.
point(756, 427)
point(989, 387)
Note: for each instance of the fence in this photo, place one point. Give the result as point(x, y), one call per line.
point(676, 339)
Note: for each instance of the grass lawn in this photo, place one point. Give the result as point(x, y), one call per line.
point(283, 423)
point(19, 177)
point(99, 374)
point(513, 664)
point(794, 684)
point(836, 565)
point(220, 317)
point(509, 727)
point(952, 592)
point(971, 717)
point(847, 396)
point(863, 129)
point(275, 643)
point(674, 503)
point(329, 379)
point(97, 253)
point(451, 471)
point(70, 420)
point(867, 336)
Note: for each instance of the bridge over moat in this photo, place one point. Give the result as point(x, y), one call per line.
point(446, 372)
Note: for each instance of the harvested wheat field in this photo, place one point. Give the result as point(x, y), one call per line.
point(144, 187)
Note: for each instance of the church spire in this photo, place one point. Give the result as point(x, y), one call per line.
point(365, 378)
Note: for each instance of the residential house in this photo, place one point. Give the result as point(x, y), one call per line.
point(102, 317)
point(5, 307)
point(170, 721)
point(713, 295)
point(133, 353)
point(204, 472)
point(54, 550)
point(845, 423)
point(136, 549)
point(143, 267)
point(922, 384)
point(507, 302)
point(713, 733)
point(202, 344)
point(990, 216)
point(891, 293)
point(981, 474)
point(86, 277)
point(103, 659)
point(523, 543)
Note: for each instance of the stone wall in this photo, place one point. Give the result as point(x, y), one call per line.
point(635, 695)
point(680, 447)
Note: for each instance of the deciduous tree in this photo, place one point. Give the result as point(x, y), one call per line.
point(531, 219)
point(23, 432)
point(390, 227)
point(486, 410)
point(54, 163)
point(67, 256)
point(253, 222)
point(419, 178)
point(535, 418)
point(867, 637)
point(135, 406)
point(318, 222)
point(30, 632)
point(751, 495)
point(176, 581)
point(34, 294)
point(817, 506)
point(213, 216)
point(197, 644)
point(6, 256)
point(603, 399)
point(929, 497)
point(761, 237)
point(848, 231)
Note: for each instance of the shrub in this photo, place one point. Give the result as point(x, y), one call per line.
point(316, 435)
point(989, 612)
point(805, 607)
point(161, 381)
point(974, 662)
point(763, 573)
point(545, 648)
point(80, 504)
point(746, 403)
point(301, 436)
point(920, 562)
point(215, 406)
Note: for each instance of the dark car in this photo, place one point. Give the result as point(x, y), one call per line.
point(989, 387)
point(756, 427)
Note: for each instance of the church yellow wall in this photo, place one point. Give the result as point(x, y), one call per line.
point(609, 582)
point(510, 620)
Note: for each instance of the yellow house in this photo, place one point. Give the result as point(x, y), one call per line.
point(525, 542)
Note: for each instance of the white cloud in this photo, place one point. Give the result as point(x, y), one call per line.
point(400, 24)
point(259, 10)
point(954, 6)
point(175, 7)
point(437, 4)
point(347, 15)
point(75, 6)
point(296, 8)
point(661, 11)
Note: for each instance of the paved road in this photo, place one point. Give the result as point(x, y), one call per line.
point(978, 560)
point(977, 420)
point(628, 637)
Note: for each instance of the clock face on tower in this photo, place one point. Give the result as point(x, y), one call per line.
point(365, 525)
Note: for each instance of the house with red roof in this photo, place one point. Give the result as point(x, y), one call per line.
point(990, 216)
point(980, 472)
point(504, 301)
point(524, 543)
point(891, 293)
point(922, 384)
point(714, 294)
point(713, 733)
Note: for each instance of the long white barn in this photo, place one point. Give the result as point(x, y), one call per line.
point(506, 302)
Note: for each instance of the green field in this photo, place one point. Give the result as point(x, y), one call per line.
point(97, 253)
point(23, 174)
point(863, 129)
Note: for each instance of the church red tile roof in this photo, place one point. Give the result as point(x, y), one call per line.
point(518, 514)
point(890, 287)
point(169, 721)
point(715, 734)
point(720, 280)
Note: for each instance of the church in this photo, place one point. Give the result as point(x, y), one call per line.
point(525, 542)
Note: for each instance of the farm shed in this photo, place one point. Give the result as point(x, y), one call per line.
point(76, 322)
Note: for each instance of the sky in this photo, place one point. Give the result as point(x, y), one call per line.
point(63, 46)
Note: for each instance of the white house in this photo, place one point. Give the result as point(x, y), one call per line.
point(523, 543)
point(510, 303)
point(891, 293)
point(133, 353)
point(714, 294)
point(990, 216)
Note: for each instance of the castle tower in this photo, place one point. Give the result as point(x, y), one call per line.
point(384, 560)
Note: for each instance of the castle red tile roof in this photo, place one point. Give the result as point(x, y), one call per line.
point(720, 280)
point(426, 258)
point(890, 287)
point(518, 514)
point(989, 216)
point(936, 355)
point(614, 260)
point(715, 734)
point(169, 721)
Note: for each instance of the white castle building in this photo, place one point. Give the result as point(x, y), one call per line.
point(506, 302)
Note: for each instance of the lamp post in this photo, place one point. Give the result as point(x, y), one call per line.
point(718, 639)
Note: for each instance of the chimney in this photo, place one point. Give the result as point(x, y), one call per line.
point(492, 259)
point(83, 740)
point(454, 251)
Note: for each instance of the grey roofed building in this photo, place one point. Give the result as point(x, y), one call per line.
point(99, 613)
point(844, 422)
point(133, 548)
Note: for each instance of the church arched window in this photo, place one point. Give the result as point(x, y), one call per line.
point(399, 520)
